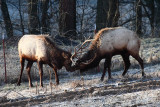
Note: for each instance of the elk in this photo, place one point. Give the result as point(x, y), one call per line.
point(41, 49)
point(107, 43)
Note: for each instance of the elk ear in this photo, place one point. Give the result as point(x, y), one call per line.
point(64, 55)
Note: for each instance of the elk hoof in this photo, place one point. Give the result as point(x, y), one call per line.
point(123, 74)
point(18, 84)
point(101, 79)
point(57, 83)
point(144, 75)
point(109, 78)
point(31, 85)
point(41, 85)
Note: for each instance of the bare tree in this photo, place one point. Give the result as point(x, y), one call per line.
point(157, 18)
point(139, 17)
point(45, 18)
point(21, 19)
point(6, 18)
point(67, 18)
point(113, 13)
point(150, 14)
point(85, 15)
point(101, 17)
point(33, 17)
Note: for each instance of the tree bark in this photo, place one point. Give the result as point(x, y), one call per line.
point(139, 17)
point(67, 18)
point(151, 7)
point(101, 17)
point(21, 19)
point(157, 18)
point(113, 13)
point(45, 19)
point(6, 18)
point(33, 17)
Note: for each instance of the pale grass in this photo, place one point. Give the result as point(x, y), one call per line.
point(149, 50)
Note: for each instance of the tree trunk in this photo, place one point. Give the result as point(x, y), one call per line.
point(45, 19)
point(6, 18)
point(150, 5)
point(157, 18)
point(33, 17)
point(67, 18)
point(138, 17)
point(152, 9)
point(21, 19)
point(113, 13)
point(102, 10)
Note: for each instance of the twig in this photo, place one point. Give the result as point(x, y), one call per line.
point(51, 86)
point(37, 89)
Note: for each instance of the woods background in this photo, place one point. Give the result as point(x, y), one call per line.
point(70, 22)
point(76, 19)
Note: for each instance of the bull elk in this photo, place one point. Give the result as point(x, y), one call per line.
point(41, 49)
point(107, 43)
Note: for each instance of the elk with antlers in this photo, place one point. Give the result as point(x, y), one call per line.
point(107, 43)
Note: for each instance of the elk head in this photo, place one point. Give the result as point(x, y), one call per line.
point(67, 60)
point(88, 58)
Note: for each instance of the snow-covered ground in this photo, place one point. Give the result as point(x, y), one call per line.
point(76, 84)
point(86, 90)
point(143, 98)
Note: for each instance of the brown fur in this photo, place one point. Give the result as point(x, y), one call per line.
point(55, 57)
point(98, 35)
point(130, 47)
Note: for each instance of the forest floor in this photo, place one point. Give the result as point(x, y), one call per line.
point(86, 90)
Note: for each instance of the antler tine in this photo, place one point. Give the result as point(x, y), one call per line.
point(84, 43)
point(73, 54)
point(81, 47)
point(91, 60)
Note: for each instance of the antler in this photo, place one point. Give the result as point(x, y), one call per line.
point(81, 48)
point(91, 60)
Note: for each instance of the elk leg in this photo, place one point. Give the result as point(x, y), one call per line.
point(40, 66)
point(22, 67)
point(107, 64)
point(56, 76)
point(126, 63)
point(28, 68)
point(104, 70)
point(138, 58)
